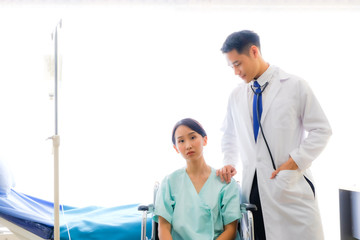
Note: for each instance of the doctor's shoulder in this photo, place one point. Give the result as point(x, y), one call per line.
point(298, 84)
point(237, 92)
point(291, 79)
point(238, 88)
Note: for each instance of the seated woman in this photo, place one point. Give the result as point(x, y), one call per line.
point(192, 202)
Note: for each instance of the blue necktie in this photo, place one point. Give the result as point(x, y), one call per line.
point(256, 121)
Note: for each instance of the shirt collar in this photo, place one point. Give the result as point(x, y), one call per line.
point(266, 76)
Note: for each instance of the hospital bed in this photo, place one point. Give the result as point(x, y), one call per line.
point(245, 225)
point(30, 218)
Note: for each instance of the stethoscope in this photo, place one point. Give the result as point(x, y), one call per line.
point(262, 88)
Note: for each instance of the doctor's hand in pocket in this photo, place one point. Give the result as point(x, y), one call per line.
point(290, 164)
point(226, 173)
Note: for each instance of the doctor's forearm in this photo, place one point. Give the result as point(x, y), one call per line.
point(230, 150)
point(315, 122)
point(290, 164)
point(311, 147)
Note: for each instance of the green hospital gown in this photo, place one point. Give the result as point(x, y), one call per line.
point(200, 216)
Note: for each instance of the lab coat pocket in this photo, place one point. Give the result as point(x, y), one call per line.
point(286, 178)
point(311, 185)
point(287, 188)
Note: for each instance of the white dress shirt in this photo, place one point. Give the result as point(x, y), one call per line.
point(265, 77)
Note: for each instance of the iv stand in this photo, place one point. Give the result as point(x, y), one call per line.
point(56, 143)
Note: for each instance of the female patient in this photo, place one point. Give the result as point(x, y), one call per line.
point(192, 203)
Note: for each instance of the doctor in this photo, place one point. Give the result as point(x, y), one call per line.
point(277, 152)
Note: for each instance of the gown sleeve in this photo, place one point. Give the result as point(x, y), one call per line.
point(164, 203)
point(230, 203)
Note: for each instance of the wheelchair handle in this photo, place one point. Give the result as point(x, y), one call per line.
point(248, 206)
point(147, 208)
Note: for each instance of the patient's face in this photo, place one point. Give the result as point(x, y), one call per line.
point(189, 143)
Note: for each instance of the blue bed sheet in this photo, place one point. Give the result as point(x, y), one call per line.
point(93, 222)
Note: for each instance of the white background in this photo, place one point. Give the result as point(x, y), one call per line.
point(130, 71)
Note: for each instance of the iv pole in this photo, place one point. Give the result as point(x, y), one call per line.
point(56, 143)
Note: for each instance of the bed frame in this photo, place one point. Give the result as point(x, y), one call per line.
point(5, 233)
point(16, 232)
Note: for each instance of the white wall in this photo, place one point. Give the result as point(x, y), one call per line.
point(131, 71)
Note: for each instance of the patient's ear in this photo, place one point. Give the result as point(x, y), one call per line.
point(176, 149)
point(205, 141)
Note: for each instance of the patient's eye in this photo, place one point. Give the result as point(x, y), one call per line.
point(180, 140)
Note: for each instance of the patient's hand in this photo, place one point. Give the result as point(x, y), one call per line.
point(226, 173)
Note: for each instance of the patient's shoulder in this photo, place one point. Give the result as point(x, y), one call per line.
point(224, 186)
point(175, 175)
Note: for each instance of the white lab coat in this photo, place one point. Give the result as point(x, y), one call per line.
point(294, 124)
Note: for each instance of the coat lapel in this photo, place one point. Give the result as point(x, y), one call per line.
point(273, 91)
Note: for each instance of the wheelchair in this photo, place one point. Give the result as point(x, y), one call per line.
point(245, 225)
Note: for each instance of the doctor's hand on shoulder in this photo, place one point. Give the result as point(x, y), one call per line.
point(290, 164)
point(226, 173)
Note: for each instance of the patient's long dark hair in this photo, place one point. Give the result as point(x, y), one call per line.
point(190, 123)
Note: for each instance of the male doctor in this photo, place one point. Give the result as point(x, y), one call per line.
point(277, 151)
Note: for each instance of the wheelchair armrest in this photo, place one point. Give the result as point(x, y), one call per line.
point(143, 208)
point(248, 206)
point(148, 208)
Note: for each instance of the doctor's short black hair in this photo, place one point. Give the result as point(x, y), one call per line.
point(241, 41)
point(190, 123)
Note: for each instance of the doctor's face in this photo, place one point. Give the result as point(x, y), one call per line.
point(245, 66)
point(189, 143)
